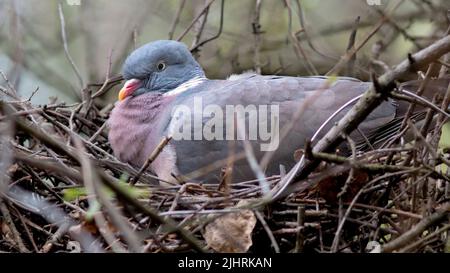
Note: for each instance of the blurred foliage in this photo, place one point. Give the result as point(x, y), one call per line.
point(32, 51)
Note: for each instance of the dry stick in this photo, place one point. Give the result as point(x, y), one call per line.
point(412, 106)
point(55, 237)
point(393, 211)
point(444, 69)
point(417, 230)
point(257, 36)
point(195, 20)
point(189, 217)
point(335, 244)
point(112, 81)
point(399, 29)
point(417, 243)
point(49, 166)
point(66, 48)
point(306, 34)
point(343, 191)
point(352, 203)
point(10, 86)
point(89, 178)
point(268, 231)
point(68, 131)
point(352, 170)
point(171, 225)
point(123, 167)
point(200, 26)
point(153, 155)
point(393, 201)
point(414, 100)
point(101, 91)
point(174, 204)
point(367, 224)
point(422, 139)
point(5, 91)
point(348, 56)
point(99, 131)
point(369, 101)
point(37, 227)
point(219, 32)
point(372, 167)
point(301, 215)
point(343, 27)
point(12, 227)
point(225, 183)
point(350, 46)
point(176, 19)
point(298, 49)
point(52, 214)
point(27, 230)
point(444, 106)
point(110, 181)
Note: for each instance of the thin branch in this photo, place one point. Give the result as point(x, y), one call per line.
point(66, 47)
point(197, 46)
point(176, 19)
point(204, 9)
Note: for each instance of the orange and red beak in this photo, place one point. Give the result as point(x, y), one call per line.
point(128, 88)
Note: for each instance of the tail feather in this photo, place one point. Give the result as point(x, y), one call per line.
point(378, 137)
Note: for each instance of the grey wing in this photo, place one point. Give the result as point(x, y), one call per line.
point(311, 99)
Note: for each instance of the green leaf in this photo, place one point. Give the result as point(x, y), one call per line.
point(72, 194)
point(444, 141)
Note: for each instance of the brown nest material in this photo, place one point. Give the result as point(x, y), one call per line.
point(62, 190)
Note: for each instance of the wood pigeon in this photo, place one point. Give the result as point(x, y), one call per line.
point(166, 89)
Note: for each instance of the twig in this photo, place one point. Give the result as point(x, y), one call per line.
point(153, 155)
point(12, 227)
point(268, 231)
point(301, 222)
point(424, 239)
point(99, 131)
point(89, 178)
point(350, 46)
point(257, 36)
point(199, 27)
point(370, 100)
point(298, 49)
point(176, 19)
point(417, 230)
point(66, 48)
point(204, 9)
point(197, 46)
point(171, 225)
point(27, 230)
point(55, 237)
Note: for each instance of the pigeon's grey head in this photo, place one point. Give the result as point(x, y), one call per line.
point(158, 66)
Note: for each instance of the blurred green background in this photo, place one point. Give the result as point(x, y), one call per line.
point(32, 53)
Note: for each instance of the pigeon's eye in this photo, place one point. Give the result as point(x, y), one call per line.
point(161, 66)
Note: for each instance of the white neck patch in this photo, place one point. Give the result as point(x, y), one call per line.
point(185, 86)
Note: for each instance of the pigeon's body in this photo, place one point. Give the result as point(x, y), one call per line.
point(143, 121)
point(139, 122)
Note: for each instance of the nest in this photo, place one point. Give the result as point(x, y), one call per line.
point(64, 191)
